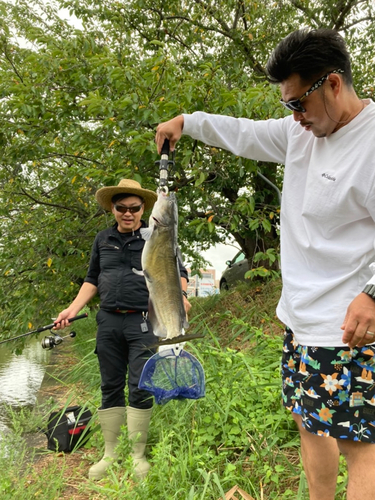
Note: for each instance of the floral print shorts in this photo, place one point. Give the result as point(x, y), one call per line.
point(332, 388)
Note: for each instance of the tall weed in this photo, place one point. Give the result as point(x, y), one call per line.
point(238, 434)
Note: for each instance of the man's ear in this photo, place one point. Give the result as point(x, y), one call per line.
point(335, 81)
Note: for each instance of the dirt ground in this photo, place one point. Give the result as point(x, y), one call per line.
point(76, 471)
point(75, 465)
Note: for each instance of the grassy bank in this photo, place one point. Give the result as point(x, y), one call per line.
point(238, 434)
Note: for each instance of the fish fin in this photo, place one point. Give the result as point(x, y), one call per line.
point(180, 340)
point(179, 254)
point(146, 232)
point(147, 276)
point(158, 330)
point(139, 272)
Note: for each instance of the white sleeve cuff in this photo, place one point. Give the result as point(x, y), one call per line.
point(372, 280)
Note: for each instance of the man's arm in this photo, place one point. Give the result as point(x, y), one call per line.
point(187, 304)
point(265, 140)
point(85, 294)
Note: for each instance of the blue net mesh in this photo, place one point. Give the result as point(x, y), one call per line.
point(168, 376)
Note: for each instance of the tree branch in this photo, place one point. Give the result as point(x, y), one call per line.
point(343, 10)
point(237, 15)
point(62, 207)
point(354, 23)
point(222, 29)
point(7, 57)
point(306, 10)
point(66, 155)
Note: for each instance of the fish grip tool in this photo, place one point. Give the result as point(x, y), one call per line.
point(165, 166)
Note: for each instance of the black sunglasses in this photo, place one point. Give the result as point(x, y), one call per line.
point(122, 209)
point(295, 104)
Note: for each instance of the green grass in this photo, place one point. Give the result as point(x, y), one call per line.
point(238, 434)
point(18, 479)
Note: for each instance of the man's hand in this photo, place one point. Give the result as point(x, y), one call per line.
point(187, 305)
point(61, 321)
point(359, 320)
point(85, 294)
point(171, 130)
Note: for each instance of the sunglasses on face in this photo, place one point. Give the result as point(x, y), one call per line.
point(122, 209)
point(295, 104)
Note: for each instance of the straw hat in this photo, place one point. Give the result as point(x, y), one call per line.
point(125, 186)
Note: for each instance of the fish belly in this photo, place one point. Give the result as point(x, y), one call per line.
point(166, 312)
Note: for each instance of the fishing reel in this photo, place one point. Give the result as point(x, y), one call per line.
point(53, 340)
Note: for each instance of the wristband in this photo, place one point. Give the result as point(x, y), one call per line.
point(369, 290)
point(184, 293)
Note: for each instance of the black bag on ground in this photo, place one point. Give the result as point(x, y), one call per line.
point(66, 428)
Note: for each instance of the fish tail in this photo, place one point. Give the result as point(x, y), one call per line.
point(177, 340)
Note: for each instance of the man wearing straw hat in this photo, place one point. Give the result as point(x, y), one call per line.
point(123, 327)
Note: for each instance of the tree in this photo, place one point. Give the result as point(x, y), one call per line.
point(79, 107)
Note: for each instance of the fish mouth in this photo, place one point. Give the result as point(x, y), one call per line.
point(158, 222)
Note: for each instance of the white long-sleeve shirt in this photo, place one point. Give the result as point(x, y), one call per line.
point(327, 214)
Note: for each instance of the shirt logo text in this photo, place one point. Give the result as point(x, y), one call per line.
point(329, 177)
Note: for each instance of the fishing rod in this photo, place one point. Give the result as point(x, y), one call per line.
point(56, 341)
point(165, 165)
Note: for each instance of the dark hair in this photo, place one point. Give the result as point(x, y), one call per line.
point(121, 196)
point(311, 54)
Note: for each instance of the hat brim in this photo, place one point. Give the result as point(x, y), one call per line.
point(104, 196)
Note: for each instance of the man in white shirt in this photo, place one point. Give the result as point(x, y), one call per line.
point(327, 245)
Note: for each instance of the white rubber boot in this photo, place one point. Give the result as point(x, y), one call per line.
point(111, 420)
point(138, 424)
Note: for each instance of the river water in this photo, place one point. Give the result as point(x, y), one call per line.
point(21, 376)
